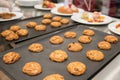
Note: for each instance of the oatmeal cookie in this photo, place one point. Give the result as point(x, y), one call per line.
point(58, 56)
point(76, 68)
point(11, 57)
point(88, 32)
point(56, 40)
point(95, 55)
point(104, 45)
point(31, 24)
point(6, 33)
point(36, 47)
point(55, 24)
point(32, 68)
point(56, 18)
point(70, 34)
point(22, 32)
point(64, 21)
point(40, 27)
point(54, 77)
point(85, 39)
point(75, 47)
point(46, 21)
point(111, 39)
point(47, 16)
point(12, 36)
point(15, 28)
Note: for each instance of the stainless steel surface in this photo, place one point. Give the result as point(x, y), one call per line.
point(110, 72)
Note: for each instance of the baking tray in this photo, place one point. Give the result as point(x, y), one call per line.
point(49, 67)
point(32, 32)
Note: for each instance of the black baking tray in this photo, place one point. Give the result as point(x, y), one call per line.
point(50, 67)
point(32, 32)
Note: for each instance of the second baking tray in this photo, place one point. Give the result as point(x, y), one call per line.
point(50, 67)
point(32, 32)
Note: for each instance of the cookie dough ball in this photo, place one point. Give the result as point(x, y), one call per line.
point(47, 16)
point(11, 57)
point(75, 47)
point(70, 34)
point(58, 56)
point(46, 21)
point(55, 24)
point(40, 27)
point(12, 36)
point(104, 45)
point(56, 18)
point(76, 68)
point(31, 24)
point(15, 28)
point(22, 32)
point(56, 40)
point(88, 32)
point(85, 39)
point(54, 77)
point(95, 55)
point(32, 68)
point(36, 47)
point(64, 21)
point(111, 39)
point(6, 33)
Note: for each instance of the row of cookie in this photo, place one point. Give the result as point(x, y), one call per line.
point(104, 45)
point(14, 32)
point(48, 18)
point(35, 68)
point(56, 22)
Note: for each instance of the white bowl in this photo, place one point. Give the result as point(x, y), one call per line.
point(28, 2)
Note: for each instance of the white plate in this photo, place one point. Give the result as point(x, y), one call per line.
point(39, 6)
point(54, 11)
point(18, 15)
point(27, 3)
point(77, 17)
point(112, 27)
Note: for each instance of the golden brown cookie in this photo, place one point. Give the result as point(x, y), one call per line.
point(64, 21)
point(75, 47)
point(46, 21)
point(47, 16)
point(22, 32)
point(56, 18)
point(58, 56)
point(11, 57)
point(56, 40)
point(15, 28)
point(40, 27)
point(32, 68)
point(54, 77)
point(7, 15)
point(31, 24)
point(76, 68)
point(88, 32)
point(85, 39)
point(55, 24)
point(104, 45)
point(95, 55)
point(6, 33)
point(12, 36)
point(36, 47)
point(70, 34)
point(111, 39)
